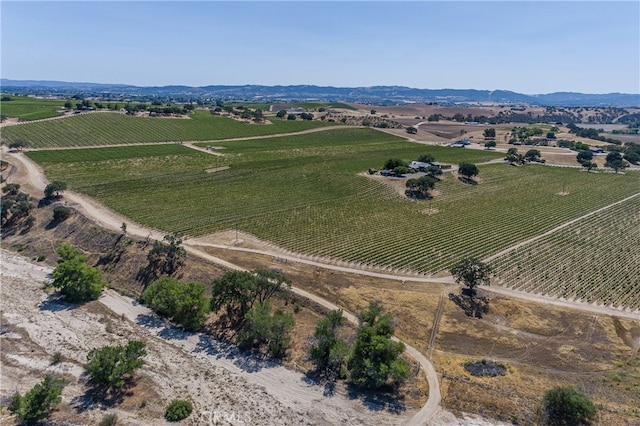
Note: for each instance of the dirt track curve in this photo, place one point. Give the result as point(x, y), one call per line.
point(33, 177)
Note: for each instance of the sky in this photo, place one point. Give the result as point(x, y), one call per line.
point(528, 47)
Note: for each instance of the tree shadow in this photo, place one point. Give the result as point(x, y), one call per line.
point(101, 397)
point(472, 304)
point(247, 362)
point(316, 378)
point(150, 321)
point(56, 302)
point(384, 399)
point(467, 180)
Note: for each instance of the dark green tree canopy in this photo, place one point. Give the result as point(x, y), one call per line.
point(533, 155)
point(113, 366)
point(238, 291)
point(565, 406)
point(54, 189)
point(374, 362)
point(614, 161)
point(327, 350)
point(185, 304)
point(468, 170)
point(420, 187)
point(392, 163)
point(266, 331)
point(490, 133)
point(471, 272)
point(38, 402)
point(76, 280)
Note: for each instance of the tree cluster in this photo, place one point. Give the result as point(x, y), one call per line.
point(165, 259)
point(15, 207)
point(244, 296)
point(372, 362)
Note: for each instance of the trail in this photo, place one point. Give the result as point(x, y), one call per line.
point(111, 220)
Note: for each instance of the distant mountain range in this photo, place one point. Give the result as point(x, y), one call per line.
point(377, 95)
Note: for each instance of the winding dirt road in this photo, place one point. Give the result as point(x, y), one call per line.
point(31, 176)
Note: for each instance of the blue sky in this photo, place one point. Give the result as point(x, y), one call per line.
point(527, 47)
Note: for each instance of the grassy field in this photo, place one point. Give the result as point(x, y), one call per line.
point(26, 109)
point(110, 128)
point(304, 194)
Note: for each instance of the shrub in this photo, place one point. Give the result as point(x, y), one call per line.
point(111, 366)
point(77, 281)
point(109, 420)
point(177, 410)
point(185, 304)
point(37, 404)
point(566, 406)
point(61, 213)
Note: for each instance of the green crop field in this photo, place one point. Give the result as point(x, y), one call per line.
point(109, 128)
point(308, 193)
point(596, 260)
point(26, 108)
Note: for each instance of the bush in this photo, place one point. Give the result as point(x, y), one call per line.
point(177, 410)
point(37, 404)
point(111, 366)
point(77, 281)
point(185, 304)
point(61, 213)
point(565, 406)
point(109, 420)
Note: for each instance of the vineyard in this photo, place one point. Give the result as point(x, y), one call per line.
point(307, 194)
point(27, 109)
point(596, 260)
point(109, 128)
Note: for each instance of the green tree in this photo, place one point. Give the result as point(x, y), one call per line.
point(281, 113)
point(412, 130)
point(374, 362)
point(113, 366)
point(426, 158)
point(67, 251)
point(434, 172)
point(533, 155)
point(565, 406)
point(588, 165)
point(266, 331)
point(614, 161)
point(238, 291)
point(420, 187)
point(392, 163)
point(167, 258)
point(185, 304)
point(77, 281)
point(468, 170)
point(177, 410)
point(327, 350)
point(291, 117)
point(61, 213)
point(472, 272)
point(38, 402)
point(54, 189)
point(490, 144)
point(18, 144)
point(489, 133)
point(584, 155)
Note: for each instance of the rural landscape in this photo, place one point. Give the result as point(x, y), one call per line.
point(236, 261)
